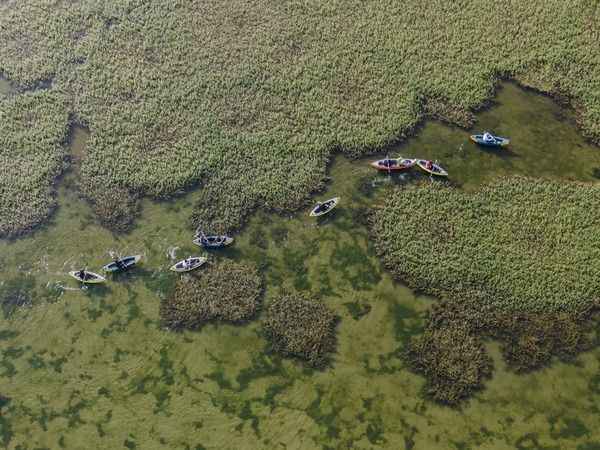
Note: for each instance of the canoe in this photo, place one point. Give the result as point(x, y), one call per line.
point(88, 277)
point(188, 264)
point(496, 141)
point(393, 165)
point(122, 264)
point(213, 241)
point(323, 208)
point(435, 169)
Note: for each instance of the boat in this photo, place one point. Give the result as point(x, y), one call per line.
point(87, 277)
point(122, 264)
point(489, 140)
point(323, 208)
point(191, 263)
point(432, 168)
point(393, 164)
point(213, 241)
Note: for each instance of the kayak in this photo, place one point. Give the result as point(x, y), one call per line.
point(434, 169)
point(323, 208)
point(213, 241)
point(393, 165)
point(122, 264)
point(495, 141)
point(188, 264)
point(88, 277)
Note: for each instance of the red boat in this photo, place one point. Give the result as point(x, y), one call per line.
point(393, 164)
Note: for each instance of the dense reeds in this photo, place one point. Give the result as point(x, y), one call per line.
point(33, 127)
point(301, 327)
point(452, 359)
point(517, 244)
point(224, 291)
point(516, 261)
point(249, 99)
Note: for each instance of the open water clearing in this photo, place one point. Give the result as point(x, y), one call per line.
point(91, 368)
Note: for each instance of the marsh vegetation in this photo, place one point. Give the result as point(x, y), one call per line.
point(515, 260)
point(224, 291)
point(249, 100)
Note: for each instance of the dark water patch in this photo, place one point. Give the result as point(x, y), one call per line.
point(325, 414)
point(8, 334)
point(294, 261)
point(589, 446)
point(262, 366)
point(355, 266)
point(16, 293)
point(6, 430)
point(572, 428)
point(375, 432)
point(357, 309)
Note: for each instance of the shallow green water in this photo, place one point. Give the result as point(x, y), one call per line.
point(92, 368)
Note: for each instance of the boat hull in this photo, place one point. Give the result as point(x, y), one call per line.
point(436, 169)
point(196, 263)
point(334, 202)
point(96, 279)
point(398, 165)
point(128, 262)
point(497, 142)
point(225, 242)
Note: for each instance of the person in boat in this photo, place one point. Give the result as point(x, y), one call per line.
point(487, 137)
point(81, 274)
point(429, 165)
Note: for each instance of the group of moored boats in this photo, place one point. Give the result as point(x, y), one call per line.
point(211, 242)
point(185, 265)
point(400, 164)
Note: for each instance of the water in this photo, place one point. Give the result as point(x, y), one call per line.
point(92, 368)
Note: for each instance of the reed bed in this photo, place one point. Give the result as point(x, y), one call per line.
point(33, 127)
point(248, 100)
point(453, 360)
point(301, 327)
point(516, 261)
point(517, 244)
point(224, 292)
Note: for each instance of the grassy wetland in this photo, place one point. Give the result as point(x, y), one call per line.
point(95, 368)
point(180, 94)
point(248, 103)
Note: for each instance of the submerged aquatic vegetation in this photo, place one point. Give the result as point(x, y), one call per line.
point(175, 98)
point(16, 293)
point(33, 127)
point(301, 327)
point(516, 261)
point(224, 291)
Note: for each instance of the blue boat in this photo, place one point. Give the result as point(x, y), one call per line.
point(489, 140)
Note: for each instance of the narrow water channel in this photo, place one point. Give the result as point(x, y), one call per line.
point(93, 369)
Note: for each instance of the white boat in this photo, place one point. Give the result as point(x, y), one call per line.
point(122, 263)
point(86, 277)
point(323, 208)
point(213, 241)
point(188, 264)
point(432, 168)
